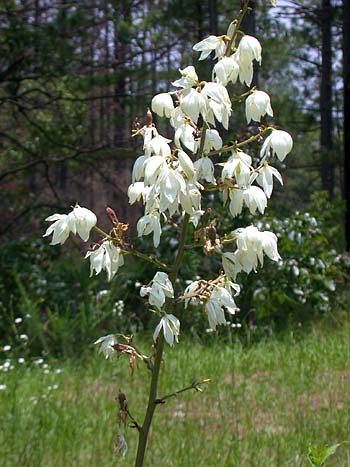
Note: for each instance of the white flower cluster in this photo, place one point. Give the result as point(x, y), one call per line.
point(160, 288)
point(167, 180)
point(251, 246)
point(168, 184)
point(79, 221)
point(216, 301)
point(106, 256)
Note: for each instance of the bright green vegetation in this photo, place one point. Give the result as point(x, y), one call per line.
point(266, 403)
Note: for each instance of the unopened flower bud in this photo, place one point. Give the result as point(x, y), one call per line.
point(149, 118)
point(111, 215)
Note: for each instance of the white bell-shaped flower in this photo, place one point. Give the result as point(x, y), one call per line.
point(135, 191)
point(81, 221)
point(106, 345)
point(158, 146)
point(171, 329)
point(219, 301)
point(265, 178)
point(162, 104)
point(193, 103)
point(207, 45)
point(170, 184)
point(159, 289)
point(212, 141)
point(138, 169)
point(219, 103)
point(204, 170)
point(184, 135)
point(190, 199)
point(251, 247)
point(253, 197)
point(186, 164)
point(148, 224)
point(238, 165)
point(225, 71)
point(278, 143)
point(257, 105)
point(152, 169)
point(248, 49)
point(106, 257)
point(59, 228)
point(188, 78)
point(195, 217)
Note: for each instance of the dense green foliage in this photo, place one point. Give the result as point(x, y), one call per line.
point(64, 311)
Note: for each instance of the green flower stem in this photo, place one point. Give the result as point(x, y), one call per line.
point(196, 385)
point(234, 146)
point(158, 354)
point(102, 233)
point(144, 429)
point(151, 259)
point(236, 31)
point(129, 251)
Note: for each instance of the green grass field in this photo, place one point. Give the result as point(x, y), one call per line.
point(266, 403)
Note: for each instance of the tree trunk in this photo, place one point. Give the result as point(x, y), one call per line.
point(327, 160)
point(213, 17)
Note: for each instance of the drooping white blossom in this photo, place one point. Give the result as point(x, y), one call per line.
point(171, 329)
point(219, 301)
point(278, 143)
point(138, 169)
point(204, 168)
point(150, 223)
point(106, 345)
point(59, 228)
point(239, 166)
point(106, 257)
point(265, 178)
point(257, 105)
point(190, 199)
point(186, 164)
point(135, 192)
point(249, 49)
point(210, 44)
point(184, 135)
point(79, 221)
point(162, 104)
point(158, 146)
point(212, 141)
point(251, 247)
point(193, 103)
point(188, 78)
point(226, 70)
point(253, 197)
point(153, 167)
point(159, 289)
point(219, 103)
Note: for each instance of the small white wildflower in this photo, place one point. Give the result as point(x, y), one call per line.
point(106, 346)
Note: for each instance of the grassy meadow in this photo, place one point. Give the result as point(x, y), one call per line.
point(267, 401)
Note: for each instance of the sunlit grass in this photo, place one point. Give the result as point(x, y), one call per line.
point(265, 404)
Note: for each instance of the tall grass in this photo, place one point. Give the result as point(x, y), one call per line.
point(266, 403)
